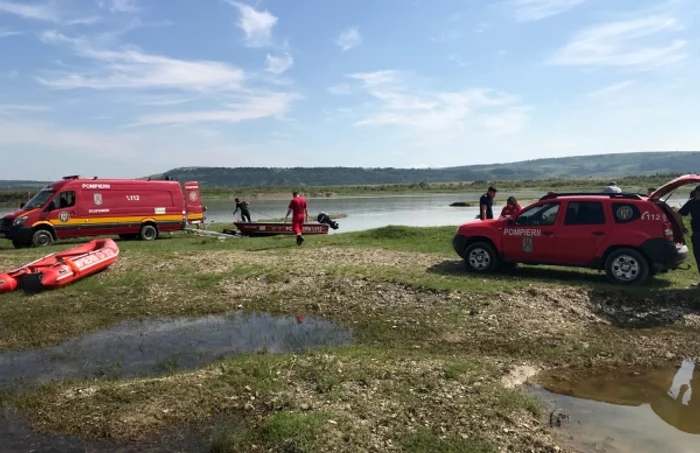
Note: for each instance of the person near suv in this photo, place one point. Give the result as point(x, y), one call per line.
point(486, 204)
point(692, 208)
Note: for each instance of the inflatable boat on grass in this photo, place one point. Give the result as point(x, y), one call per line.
point(62, 268)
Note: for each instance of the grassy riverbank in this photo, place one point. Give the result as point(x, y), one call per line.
point(434, 356)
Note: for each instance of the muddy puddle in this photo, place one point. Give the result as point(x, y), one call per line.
point(625, 411)
point(135, 349)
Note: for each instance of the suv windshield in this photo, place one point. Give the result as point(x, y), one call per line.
point(39, 199)
point(545, 214)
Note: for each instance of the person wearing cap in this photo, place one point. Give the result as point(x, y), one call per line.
point(486, 204)
point(612, 188)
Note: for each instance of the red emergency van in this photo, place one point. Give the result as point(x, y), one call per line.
point(76, 206)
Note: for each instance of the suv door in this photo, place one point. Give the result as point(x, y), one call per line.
point(530, 236)
point(585, 228)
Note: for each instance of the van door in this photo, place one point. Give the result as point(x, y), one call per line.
point(62, 212)
point(193, 203)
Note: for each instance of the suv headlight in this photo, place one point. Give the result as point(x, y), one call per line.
point(19, 221)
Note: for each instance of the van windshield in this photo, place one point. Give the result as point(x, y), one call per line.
point(39, 199)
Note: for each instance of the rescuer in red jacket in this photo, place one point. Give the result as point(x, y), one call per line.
point(511, 208)
point(300, 214)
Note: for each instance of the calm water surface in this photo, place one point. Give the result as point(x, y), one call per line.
point(625, 411)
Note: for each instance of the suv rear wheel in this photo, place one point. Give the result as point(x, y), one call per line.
point(480, 257)
point(627, 266)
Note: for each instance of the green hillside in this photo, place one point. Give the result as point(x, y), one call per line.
point(564, 168)
point(601, 166)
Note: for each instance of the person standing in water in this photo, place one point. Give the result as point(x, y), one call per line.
point(692, 208)
point(300, 214)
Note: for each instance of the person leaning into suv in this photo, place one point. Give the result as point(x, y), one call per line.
point(486, 204)
point(692, 208)
point(511, 208)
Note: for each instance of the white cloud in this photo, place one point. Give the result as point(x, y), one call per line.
point(460, 111)
point(534, 10)
point(250, 108)
point(481, 28)
point(88, 20)
point(278, 65)
point(619, 44)
point(5, 32)
point(257, 25)
point(340, 89)
point(120, 6)
point(458, 61)
point(349, 38)
point(610, 89)
point(8, 109)
point(35, 11)
point(129, 67)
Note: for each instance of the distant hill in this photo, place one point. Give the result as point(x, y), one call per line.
point(600, 166)
point(19, 184)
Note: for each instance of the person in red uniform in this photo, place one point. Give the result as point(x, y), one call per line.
point(300, 214)
point(511, 208)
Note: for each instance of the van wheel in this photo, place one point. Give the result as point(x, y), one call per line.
point(42, 238)
point(627, 266)
point(148, 233)
point(481, 258)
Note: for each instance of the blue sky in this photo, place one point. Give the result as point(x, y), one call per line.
point(128, 88)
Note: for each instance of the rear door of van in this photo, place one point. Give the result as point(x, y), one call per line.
point(193, 203)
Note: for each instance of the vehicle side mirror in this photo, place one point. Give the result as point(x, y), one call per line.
point(21, 205)
point(510, 221)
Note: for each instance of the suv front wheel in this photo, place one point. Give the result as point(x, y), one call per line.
point(480, 257)
point(627, 266)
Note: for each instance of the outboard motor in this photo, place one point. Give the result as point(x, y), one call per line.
point(326, 219)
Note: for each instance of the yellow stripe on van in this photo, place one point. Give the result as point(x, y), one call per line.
point(117, 219)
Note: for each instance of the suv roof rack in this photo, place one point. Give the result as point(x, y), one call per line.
point(624, 196)
point(71, 177)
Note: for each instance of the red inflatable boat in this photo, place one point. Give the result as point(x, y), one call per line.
point(63, 268)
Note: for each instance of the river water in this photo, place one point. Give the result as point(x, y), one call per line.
point(373, 212)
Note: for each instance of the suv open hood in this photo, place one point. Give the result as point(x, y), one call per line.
point(673, 185)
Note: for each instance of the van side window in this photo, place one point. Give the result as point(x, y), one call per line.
point(66, 199)
point(584, 213)
point(625, 213)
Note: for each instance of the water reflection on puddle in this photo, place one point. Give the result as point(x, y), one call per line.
point(650, 411)
point(133, 349)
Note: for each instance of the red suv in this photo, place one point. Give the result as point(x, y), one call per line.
point(630, 236)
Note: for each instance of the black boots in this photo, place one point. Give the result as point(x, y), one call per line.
point(300, 240)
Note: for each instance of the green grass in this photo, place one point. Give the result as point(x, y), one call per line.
point(431, 342)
